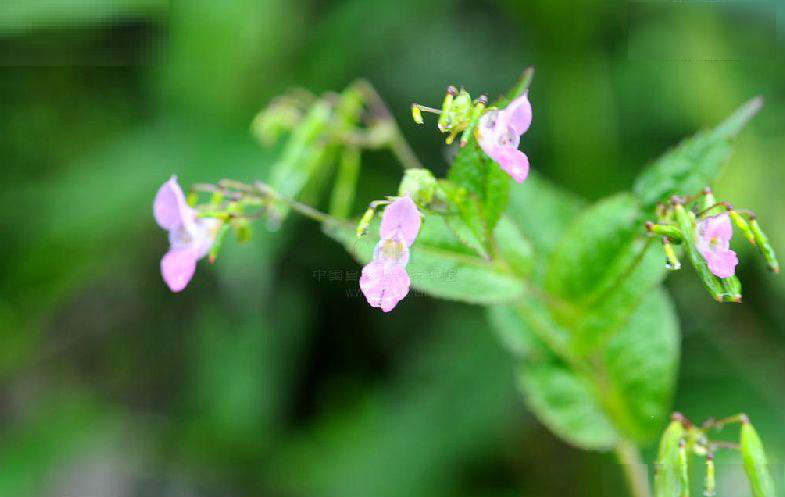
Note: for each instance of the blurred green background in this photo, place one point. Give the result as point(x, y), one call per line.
point(260, 379)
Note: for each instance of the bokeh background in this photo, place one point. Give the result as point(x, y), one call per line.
point(264, 380)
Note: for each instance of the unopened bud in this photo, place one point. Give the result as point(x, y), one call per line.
point(756, 465)
point(416, 114)
point(762, 241)
point(667, 480)
point(419, 184)
point(742, 225)
point(365, 221)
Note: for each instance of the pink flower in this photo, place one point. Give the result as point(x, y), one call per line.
point(384, 281)
point(190, 237)
point(714, 234)
point(499, 133)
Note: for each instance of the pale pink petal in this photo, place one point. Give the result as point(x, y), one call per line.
point(177, 268)
point(513, 161)
point(169, 208)
point(722, 263)
point(718, 227)
point(401, 217)
point(518, 114)
point(384, 285)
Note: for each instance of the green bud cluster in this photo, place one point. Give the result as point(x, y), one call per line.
point(677, 224)
point(682, 439)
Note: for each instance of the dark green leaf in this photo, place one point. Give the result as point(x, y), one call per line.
point(601, 270)
point(695, 163)
point(473, 170)
point(464, 218)
point(542, 211)
point(625, 390)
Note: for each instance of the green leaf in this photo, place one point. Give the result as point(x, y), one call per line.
point(440, 265)
point(624, 391)
point(566, 403)
point(464, 218)
point(543, 211)
point(695, 163)
point(473, 170)
point(513, 247)
point(641, 361)
point(601, 270)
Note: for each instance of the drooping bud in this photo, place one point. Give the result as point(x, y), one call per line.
point(365, 221)
point(755, 463)
point(762, 241)
point(444, 117)
point(419, 184)
point(416, 114)
point(684, 469)
point(242, 230)
point(219, 238)
point(667, 475)
point(672, 232)
point(672, 262)
point(474, 118)
point(710, 483)
point(743, 226)
point(282, 115)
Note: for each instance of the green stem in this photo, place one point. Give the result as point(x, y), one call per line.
point(635, 471)
point(398, 144)
point(299, 207)
point(264, 192)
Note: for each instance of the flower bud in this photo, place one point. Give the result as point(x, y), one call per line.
point(755, 463)
point(365, 221)
point(668, 474)
point(416, 114)
point(419, 184)
point(242, 230)
point(762, 241)
point(742, 225)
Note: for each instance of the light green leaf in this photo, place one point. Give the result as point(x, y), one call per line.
point(695, 163)
point(543, 211)
point(440, 265)
point(623, 391)
point(513, 247)
point(641, 361)
point(601, 270)
point(567, 404)
point(464, 218)
point(473, 170)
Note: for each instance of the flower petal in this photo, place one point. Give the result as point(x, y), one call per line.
point(401, 217)
point(518, 114)
point(384, 285)
point(718, 227)
point(177, 268)
point(169, 208)
point(513, 161)
point(722, 263)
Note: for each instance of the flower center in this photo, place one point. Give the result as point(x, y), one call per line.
point(391, 250)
